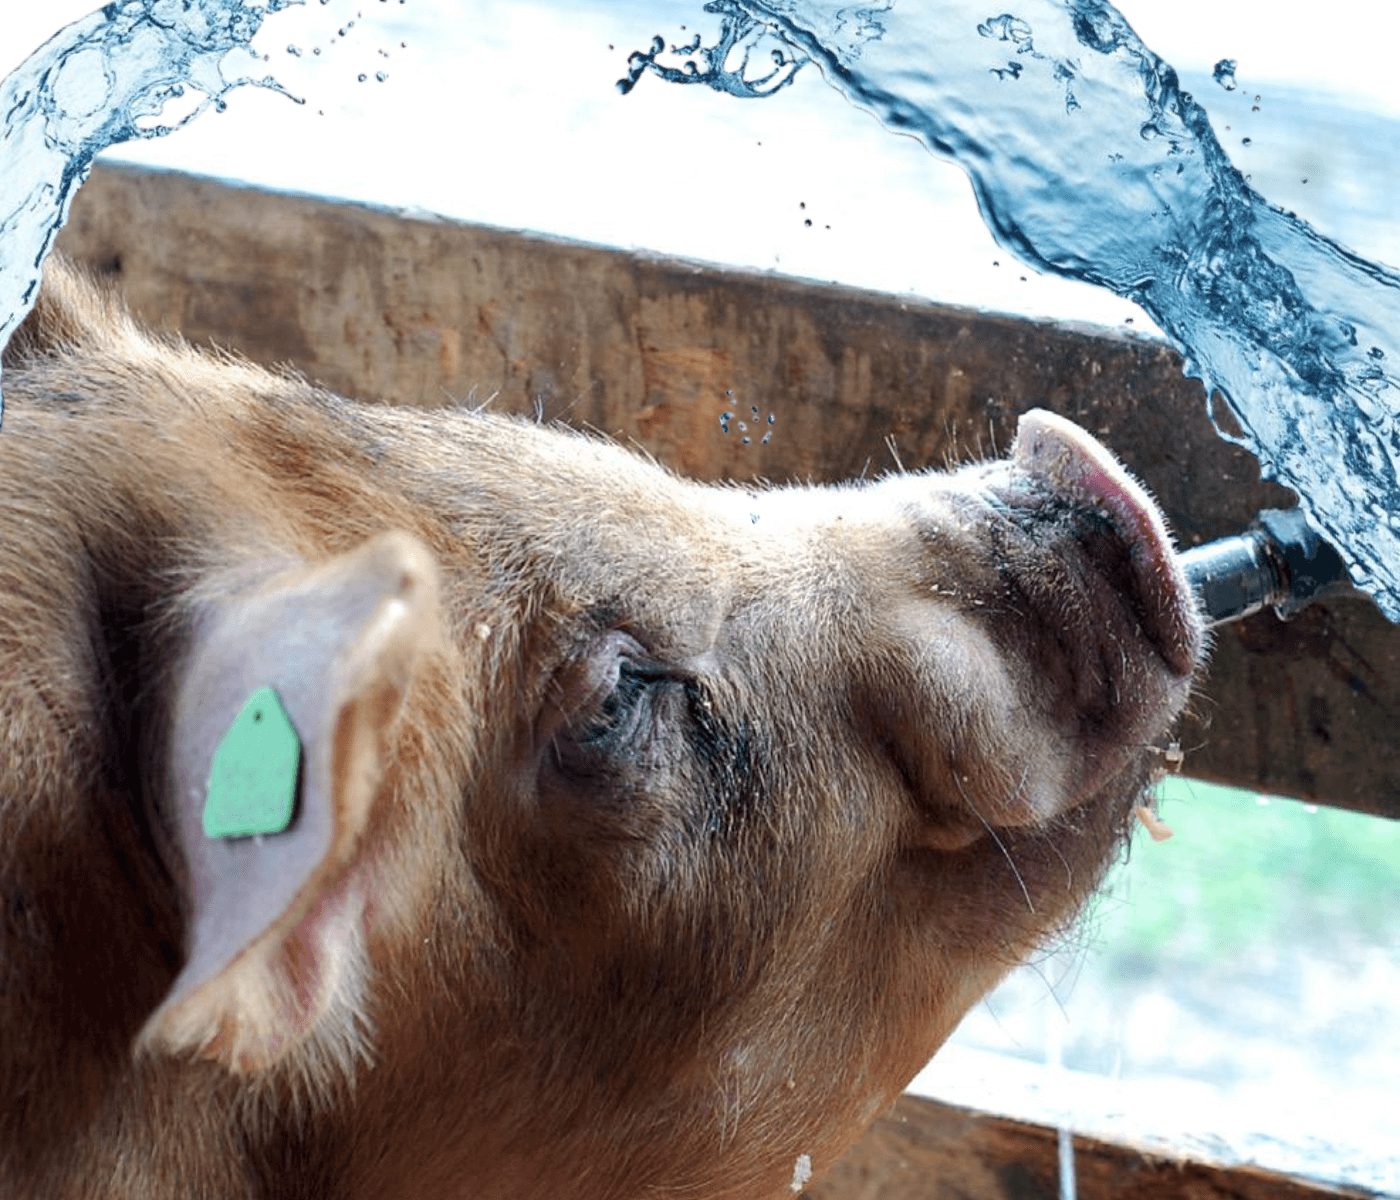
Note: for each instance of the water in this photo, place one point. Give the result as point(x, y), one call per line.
point(139, 69)
point(1088, 160)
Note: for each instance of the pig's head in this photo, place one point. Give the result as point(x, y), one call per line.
point(649, 834)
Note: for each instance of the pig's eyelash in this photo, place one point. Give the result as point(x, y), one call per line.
point(617, 713)
point(623, 718)
point(653, 670)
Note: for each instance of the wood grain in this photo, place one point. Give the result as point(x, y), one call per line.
point(924, 1150)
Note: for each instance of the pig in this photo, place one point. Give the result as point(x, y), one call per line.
point(648, 836)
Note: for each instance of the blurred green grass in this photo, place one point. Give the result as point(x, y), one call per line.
point(1245, 875)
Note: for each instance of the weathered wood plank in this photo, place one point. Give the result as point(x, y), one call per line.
point(426, 312)
point(924, 1150)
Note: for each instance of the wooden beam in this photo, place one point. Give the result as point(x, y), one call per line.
point(653, 351)
point(924, 1150)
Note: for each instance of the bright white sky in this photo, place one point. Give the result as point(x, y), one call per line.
point(503, 112)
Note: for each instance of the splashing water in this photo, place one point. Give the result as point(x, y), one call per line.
point(1088, 160)
point(105, 79)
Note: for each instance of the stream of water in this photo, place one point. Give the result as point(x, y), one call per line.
point(1088, 160)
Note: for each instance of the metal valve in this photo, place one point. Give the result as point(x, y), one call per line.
point(1278, 562)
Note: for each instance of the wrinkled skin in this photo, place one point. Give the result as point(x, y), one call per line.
point(650, 834)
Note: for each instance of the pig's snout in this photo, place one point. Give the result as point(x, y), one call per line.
point(1053, 639)
point(1076, 468)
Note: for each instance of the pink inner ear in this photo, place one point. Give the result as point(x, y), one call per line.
point(272, 921)
point(239, 887)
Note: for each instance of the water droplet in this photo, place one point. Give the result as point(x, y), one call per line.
point(1246, 141)
point(745, 441)
point(772, 420)
point(362, 77)
point(767, 437)
point(1224, 73)
point(1006, 28)
point(381, 75)
point(743, 426)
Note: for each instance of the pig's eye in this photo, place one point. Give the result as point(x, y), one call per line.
point(608, 703)
point(616, 720)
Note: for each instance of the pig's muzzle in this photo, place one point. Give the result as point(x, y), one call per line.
point(1058, 454)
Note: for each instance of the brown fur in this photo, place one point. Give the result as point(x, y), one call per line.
point(525, 966)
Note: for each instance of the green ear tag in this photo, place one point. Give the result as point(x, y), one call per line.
point(253, 777)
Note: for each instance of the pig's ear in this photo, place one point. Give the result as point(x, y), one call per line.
point(288, 700)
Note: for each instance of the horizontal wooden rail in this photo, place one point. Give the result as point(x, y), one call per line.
point(413, 310)
point(925, 1150)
